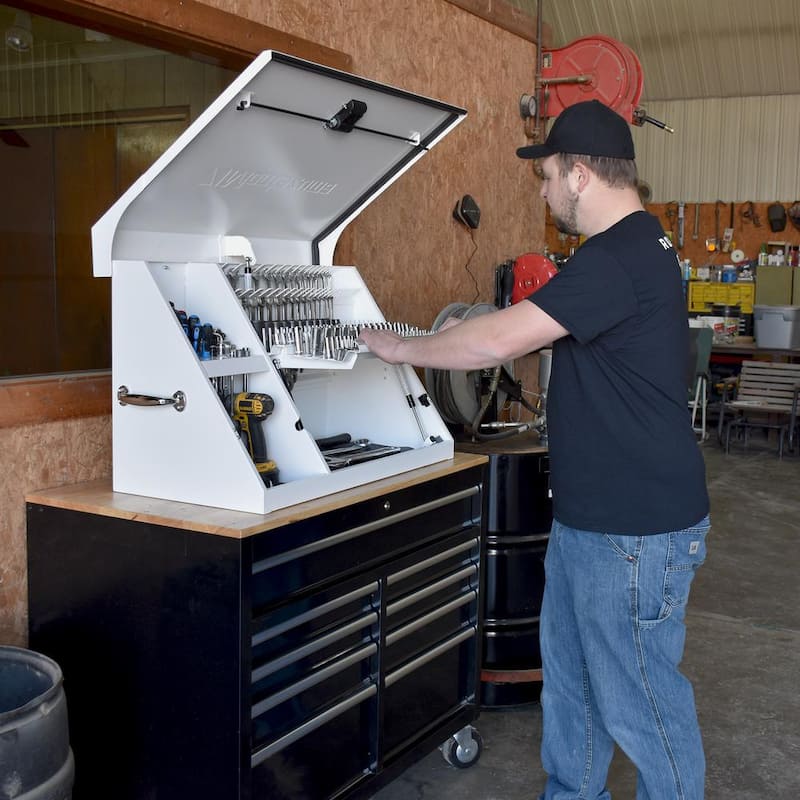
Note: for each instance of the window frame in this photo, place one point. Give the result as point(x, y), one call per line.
point(189, 29)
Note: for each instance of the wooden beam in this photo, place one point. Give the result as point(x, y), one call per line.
point(505, 16)
point(33, 401)
point(188, 28)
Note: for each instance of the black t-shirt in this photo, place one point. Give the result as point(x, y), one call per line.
point(623, 455)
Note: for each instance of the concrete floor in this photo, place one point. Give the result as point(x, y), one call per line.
point(742, 655)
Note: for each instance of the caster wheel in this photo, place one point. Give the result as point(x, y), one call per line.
point(463, 749)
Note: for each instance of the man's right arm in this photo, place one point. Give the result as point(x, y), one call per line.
point(484, 341)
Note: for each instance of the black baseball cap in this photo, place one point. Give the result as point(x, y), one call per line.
point(589, 128)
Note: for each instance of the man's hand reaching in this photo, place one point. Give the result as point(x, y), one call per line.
point(384, 344)
point(477, 343)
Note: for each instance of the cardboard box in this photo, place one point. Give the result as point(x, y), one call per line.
point(774, 285)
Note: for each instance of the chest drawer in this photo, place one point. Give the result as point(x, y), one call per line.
point(341, 544)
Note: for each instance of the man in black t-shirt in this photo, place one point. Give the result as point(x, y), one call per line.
point(630, 503)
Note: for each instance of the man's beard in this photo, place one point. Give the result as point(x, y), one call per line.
point(567, 221)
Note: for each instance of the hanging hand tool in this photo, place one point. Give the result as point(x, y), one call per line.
point(249, 410)
point(727, 236)
point(681, 214)
point(671, 212)
point(696, 231)
point(749, 213)
point(717, 238)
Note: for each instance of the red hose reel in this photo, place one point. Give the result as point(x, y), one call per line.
point(591, 68)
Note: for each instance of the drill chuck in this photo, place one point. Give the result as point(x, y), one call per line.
point(253, 404)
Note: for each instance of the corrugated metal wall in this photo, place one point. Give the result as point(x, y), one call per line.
point(724, 73)
point(693, 48)
point(732, 149)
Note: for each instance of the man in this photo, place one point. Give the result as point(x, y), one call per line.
point(629, 497)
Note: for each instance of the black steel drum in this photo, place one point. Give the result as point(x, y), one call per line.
point(518, 527)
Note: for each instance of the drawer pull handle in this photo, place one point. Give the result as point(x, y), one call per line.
point(426, 658)
point(314, 613)
point(499, 541)
point(429, 562)
point(313, 646)
point(432, 616)
point(312, 680)
point(361, 530)
point(177, 401)
point(432, 588)
point(316, 722)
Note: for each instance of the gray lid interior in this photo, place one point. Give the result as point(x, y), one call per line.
point(279, 172)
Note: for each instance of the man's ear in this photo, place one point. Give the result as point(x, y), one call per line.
point(582, 176)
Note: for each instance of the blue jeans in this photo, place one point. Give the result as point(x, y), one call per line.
point(612, 636)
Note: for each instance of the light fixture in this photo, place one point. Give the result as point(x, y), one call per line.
point(19, 36)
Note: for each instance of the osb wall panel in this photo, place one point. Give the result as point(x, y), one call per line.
point(409, 249)
point(35, 457)
point(407, 246)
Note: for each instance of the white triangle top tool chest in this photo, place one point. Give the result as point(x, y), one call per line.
point(222, 288)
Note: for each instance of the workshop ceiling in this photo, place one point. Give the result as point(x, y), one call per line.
point(691, 49)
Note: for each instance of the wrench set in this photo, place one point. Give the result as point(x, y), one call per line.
point(280, 292)
point(291, 306)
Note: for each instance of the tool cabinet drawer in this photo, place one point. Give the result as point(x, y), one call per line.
point(306, 554)
point(431, 599)
point(430, 650)
point(422, 693)
point(308, 654)
point(333, 751)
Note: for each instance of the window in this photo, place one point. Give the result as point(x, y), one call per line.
point(82, 115)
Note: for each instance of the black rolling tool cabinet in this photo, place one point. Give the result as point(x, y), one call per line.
point(314, 652)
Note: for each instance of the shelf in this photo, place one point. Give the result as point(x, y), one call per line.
point(286, 358)
point(234, 366)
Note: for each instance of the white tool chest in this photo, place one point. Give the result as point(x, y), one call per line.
point(236, 225)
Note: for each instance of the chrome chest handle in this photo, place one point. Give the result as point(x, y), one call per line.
point(177, 401)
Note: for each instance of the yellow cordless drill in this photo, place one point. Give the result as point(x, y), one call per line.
point(249, 410)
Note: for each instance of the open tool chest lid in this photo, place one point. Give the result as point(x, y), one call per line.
point(289, 153)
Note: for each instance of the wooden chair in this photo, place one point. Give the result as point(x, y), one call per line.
point(765, 396)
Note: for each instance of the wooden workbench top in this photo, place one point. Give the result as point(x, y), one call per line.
point(746, 344)
point(97, 497)
point(521, 444)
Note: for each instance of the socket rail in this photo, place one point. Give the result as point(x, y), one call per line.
point(291, 307)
